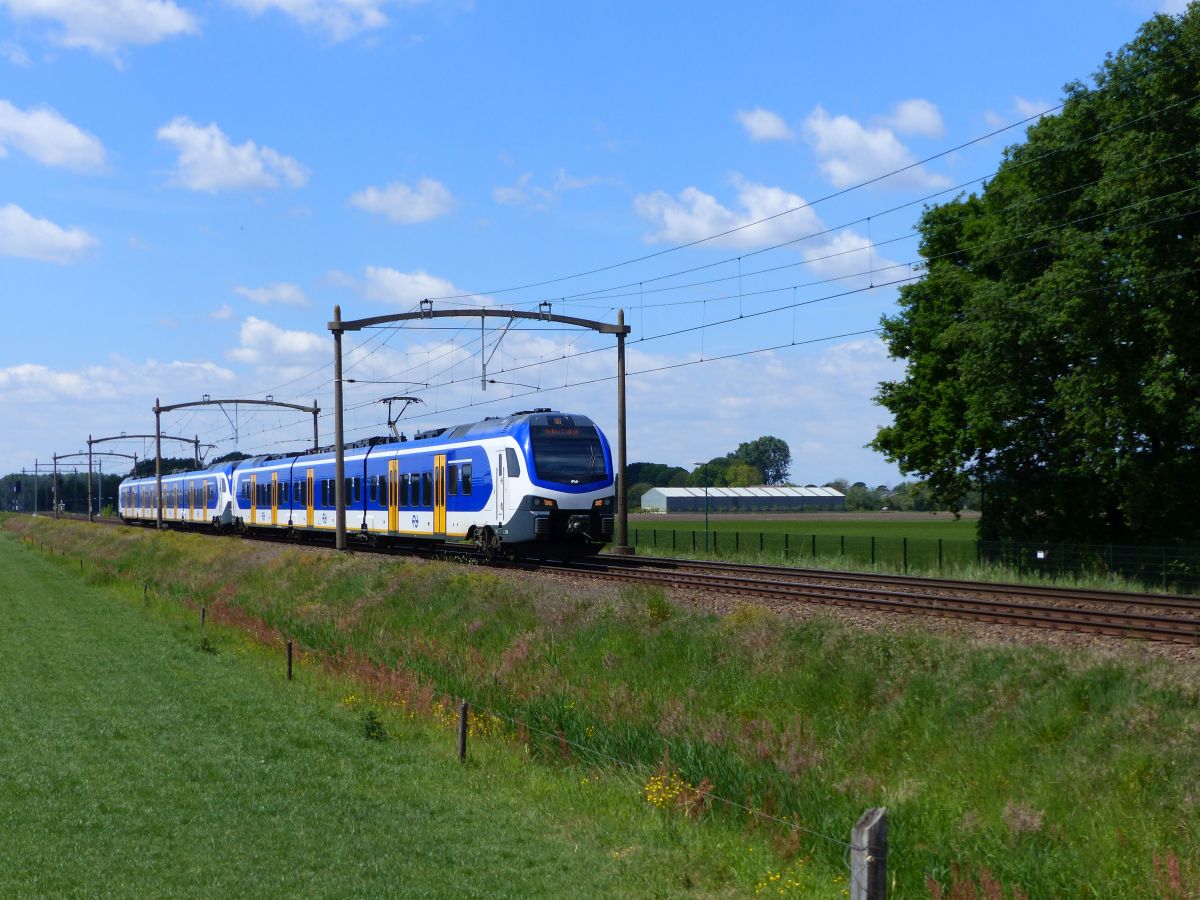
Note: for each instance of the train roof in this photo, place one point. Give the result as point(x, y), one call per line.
point(492, 426)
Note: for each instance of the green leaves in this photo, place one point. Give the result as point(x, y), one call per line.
point(1053, 347)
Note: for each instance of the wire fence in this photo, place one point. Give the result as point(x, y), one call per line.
point(1156, 568)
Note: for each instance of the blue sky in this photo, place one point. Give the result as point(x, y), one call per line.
point(187, 189)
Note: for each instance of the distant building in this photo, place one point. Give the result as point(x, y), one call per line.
point(749, 499)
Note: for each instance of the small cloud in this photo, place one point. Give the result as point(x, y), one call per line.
point(136, 243)
point(209, 161)
point(222, 314)
point(916, 116)
point(105, 26)
point(46, 137)
point(262, 341)
point(15, 54)
point(338, 19)
point(695, 215)
point(26, 237)
point(1021, 109)
point(280, 292)
point(393, 286)
point(852, 153)
point(764, 125)
point(525, 193)
point(407, 205)
point(1029, 108)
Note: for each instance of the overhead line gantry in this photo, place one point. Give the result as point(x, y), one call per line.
point(338, 327)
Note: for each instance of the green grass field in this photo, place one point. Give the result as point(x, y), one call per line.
point(910, 543)
point(135, 763)
point(1050, 771)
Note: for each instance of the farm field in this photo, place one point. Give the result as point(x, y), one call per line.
point(980, 752)
point(144, 758)
point(913, 542)
point(882, 525)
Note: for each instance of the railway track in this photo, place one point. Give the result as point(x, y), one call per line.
point(1127, 615)
point(1156, 617)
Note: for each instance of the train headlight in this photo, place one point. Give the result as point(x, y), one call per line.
point(543, 503)
point(602, 503)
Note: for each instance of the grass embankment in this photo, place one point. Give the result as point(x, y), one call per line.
point(142, 757)
point(1058, 774)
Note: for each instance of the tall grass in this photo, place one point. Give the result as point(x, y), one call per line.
point(981, 754)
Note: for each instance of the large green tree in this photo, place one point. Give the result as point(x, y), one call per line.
point(1053, 344)
point(770, 455)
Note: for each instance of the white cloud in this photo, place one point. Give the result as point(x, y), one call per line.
point(852, 153)
point(1021, 109)
point(916, 117)
point(1029, 108)
point(407, 205)
point(764, 125)
point(222, 314)
point(849, 253)
point(31, 383)
point(104, 26)
point(45, 136)
point(208, 161)
point(525, 193)
point(15, 54)
point(28, 237)
point(339, 19)
point(277, 292)
point(695, 215)
point(264, 342)
point(392, 286)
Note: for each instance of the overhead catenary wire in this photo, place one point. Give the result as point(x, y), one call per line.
point(599, 293)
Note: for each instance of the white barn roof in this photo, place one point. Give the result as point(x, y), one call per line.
point(764, 491)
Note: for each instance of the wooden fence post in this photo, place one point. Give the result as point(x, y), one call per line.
point(289, 660)
point(868, 856)
point(462, 732)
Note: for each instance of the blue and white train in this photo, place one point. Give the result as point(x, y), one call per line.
point(534, 483)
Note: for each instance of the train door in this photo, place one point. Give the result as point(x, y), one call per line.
point(204, 501)
point(393, 493)
point(501, 489)
point(308, 500)
point(274, 498)
point(439, 494)
point(253, 498)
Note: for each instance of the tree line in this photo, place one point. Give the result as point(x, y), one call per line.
point(1053, 344)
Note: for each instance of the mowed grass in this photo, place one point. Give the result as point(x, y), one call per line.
point(1054, 772)
point(142, 757)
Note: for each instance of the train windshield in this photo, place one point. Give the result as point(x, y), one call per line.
point(568, 454)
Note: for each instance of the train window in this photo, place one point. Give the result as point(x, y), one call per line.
point(373, 488)
point(466, 478)
point(302, 493)
point(324, 491)
point(285, 498)
point(452, 480)
point(514, 462)
point(427, 488)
